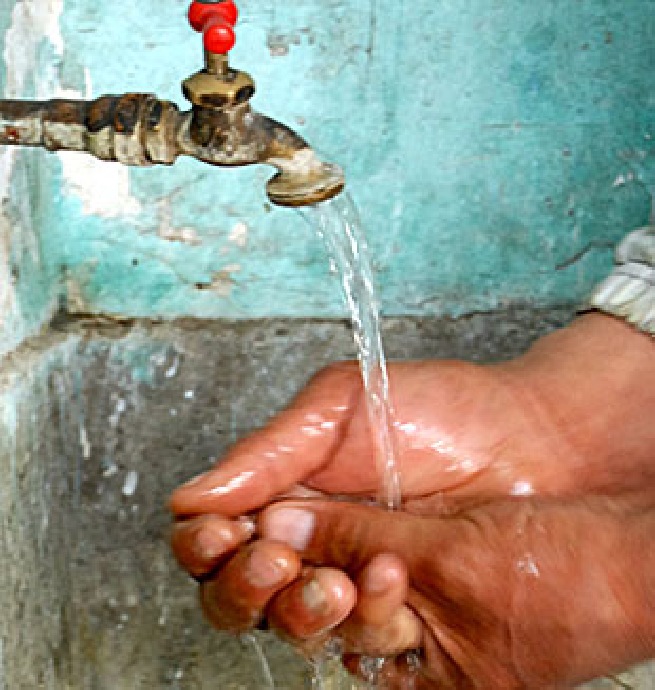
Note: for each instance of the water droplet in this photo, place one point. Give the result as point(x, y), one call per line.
point(522, 488)
point(131, 483)
point(528, 565)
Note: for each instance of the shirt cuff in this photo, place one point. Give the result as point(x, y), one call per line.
point(629, 292)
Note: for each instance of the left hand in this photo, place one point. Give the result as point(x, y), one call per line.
point(512, 595)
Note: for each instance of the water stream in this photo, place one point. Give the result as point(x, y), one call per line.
point(337, 223)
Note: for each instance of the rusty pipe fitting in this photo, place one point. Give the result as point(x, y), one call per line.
point(133, 129)
point(140, 130)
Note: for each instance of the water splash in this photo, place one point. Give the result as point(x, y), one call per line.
point(327, 670)
point(370, 669)
point(249, 640)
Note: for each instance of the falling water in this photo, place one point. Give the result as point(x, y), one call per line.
point(251, 641)
point(337, 223)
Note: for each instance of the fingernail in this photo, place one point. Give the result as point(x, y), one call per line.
point(313, 596)
point(208, 544)
point(247, 524)
point(293, 526)
point(263, 571)
point(376, 581)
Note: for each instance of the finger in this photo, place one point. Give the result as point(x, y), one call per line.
point(349, 535)
point(382, 588)
point(201, 544)
point(381, 624)
point(236, 599)
point(400, 633)
point(295, 444)
point(314, 605)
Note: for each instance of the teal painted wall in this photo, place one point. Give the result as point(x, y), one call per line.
point(29, 279)
point(496, 149)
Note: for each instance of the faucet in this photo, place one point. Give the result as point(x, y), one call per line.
point(221, 129)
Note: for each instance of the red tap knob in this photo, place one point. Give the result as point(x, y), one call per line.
point(215, 19)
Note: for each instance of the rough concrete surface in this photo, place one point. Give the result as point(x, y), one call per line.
point(100, 423)
point(498, 150)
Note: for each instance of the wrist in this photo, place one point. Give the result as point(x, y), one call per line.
point(595, 585)
point(639, 574)
point(595, 382)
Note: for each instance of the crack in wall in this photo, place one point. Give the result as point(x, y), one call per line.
point(594, 245)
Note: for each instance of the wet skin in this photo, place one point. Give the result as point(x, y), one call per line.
point(520, 558)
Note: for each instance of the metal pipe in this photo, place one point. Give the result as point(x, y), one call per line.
point(139, 129)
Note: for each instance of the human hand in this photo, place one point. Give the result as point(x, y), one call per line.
point(468, 435)
point(571, 417)
point(528, 594)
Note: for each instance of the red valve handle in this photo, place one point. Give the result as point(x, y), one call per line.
point(216, 21)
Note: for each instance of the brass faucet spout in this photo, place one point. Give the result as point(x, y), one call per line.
point(240, 136)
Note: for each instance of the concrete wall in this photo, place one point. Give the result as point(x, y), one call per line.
point(29, 284)
point(497, 151)
point(98, 425)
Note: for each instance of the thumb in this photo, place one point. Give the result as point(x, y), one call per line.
point(347, 535)
point(295, 444)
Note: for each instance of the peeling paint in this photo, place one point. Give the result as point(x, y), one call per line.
point(623, 179)
point(76, 301)
point(32, 22)
point(279, 43)
point(239, 235)
point(452, 133)
point(168, 231)
point(102, 188)
point(223, 281)
point(7, 293)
